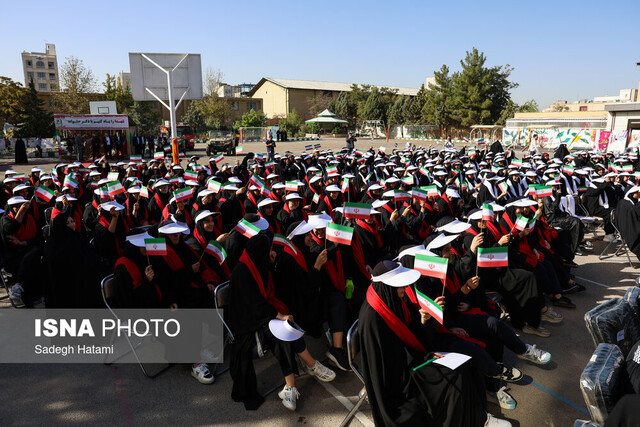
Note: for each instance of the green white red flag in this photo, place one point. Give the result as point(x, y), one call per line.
point(156, 246)
point(218, 158)
point(493, 257)
point(487, 212)
point(214, 248)
point(214, 185)
point(182, 194)
point(69, 182)
point(114, 188)
point(339, 233)
point(521, 223)
point(430, 306)
point(247, 229)
point(45, 193)
point(544, 190)
point(431, 266)
point(419, 194)
point(356, 210)
point(279, 239)
point(401, 196)
point(291, 186)
point(190, 174)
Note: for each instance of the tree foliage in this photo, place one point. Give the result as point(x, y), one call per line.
point(11, 96)
point(37, 122)
point(531, 106)
point(438, 105)
point(251, 119)
point(114, 91)
point(291, 123)
point(77, 81)
point(194, 117)
point(145, 117)
point(215, 110)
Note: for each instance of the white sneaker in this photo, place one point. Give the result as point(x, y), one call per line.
point(202, 374)
point(609, 238)
point(551, 316)
point(496, 422)
point(321, 372)
point(15, 293)
point(535, 355)
point(289, 395)
point(502, 398)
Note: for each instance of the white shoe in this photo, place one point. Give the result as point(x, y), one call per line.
point(289, 395)
point(321, 372)
point(535, 355)
point(609, 238)
point(202, 374)
point(496, 422)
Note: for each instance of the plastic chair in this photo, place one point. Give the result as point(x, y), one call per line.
point(622, 248)
point(108, 295)
point(353, 350)
point(221, 300)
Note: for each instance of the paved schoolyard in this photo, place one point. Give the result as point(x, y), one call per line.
point(120, 395)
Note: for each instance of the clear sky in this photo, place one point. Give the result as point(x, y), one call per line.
point(563, 49)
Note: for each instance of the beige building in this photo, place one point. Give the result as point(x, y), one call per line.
point(281, 96)
point(124, 78)
point(596, 104)
point(42, 69)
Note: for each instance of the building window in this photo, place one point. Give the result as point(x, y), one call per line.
point(41, 76)
point(327, 93)
point(583, 108)
point(39, 64)
point(29, 76)
point(29, 63)
point(52, 76)
point(50, 64)
point(54, 87)
point(42, 86)
point(251, 106)
point(234, 105)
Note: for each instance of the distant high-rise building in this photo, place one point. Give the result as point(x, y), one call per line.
point(42, 69)
point(124, 78)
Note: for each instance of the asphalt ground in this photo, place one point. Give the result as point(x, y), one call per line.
point(90, 394)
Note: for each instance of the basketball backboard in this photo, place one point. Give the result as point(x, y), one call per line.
point(147, 75)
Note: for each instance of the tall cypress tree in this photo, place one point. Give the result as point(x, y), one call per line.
point(37, 122)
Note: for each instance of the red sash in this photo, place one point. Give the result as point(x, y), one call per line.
point(297, 256)
point(398, 326)
point(374, 231)
point(267, 293)
point(333, 268)
point(203, 243)
point(27, 230)
point(135, 273)
point(523, 247)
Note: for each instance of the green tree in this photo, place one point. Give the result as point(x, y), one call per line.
point(194, 117)
point(438, 105)
point(291, 123)
point(114, 91)
point(250, 119)
point(11, 98)
point(77, 81)
point(145, 117)
point(216, 111)
point(373, 108)
point(508, 113)
point(531, 106)
point(36, 120)
point(344, 108)
point(480, 94)
point(413, 108)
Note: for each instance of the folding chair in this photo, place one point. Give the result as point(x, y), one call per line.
point(353, 350)
point(221, 300)
point(108, 295)
point(622, 245)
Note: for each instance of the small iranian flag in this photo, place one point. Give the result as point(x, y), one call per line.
point(279, 239)
point(174, 179)
point(424, 171)
point(316, 198)
point(503, 186)
point(487, 212)
point(465, 139)
point(627, 168)
point(214, 248)
point(135, 158)
point(182, 194)
point(472, 152)
point(401, 196)
point(339, 233)
point(113, 176)
point(432, 190)
point(69, 182)
point(317, 146)
point(382, 149)
point(155, 247)
point(430, 306)
point(516, 162)
point(568, 169)
point(190, 174)
point(332, 170)
point(345, 185)
point(544, 190)
point(358, 152)
point(247, 229)
point(270, 165)
point(45, 193)
point(259, 157)
point(158, 155)
point(419, 194)
point(532, 224)
point(495, 168)
point(431, 266)
point(407, 180)
point(214, 185)
point(218, 158)
point(357, 210)
point(582, 189)
point(521, 223)
point(291, 186)
point(114, 188)
point(308, 147)
point(181, 155)
point(19, 177)
point(493, 257)
point(144, 192)
point(239, 149)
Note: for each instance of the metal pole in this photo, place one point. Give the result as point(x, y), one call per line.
point(172, 118)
